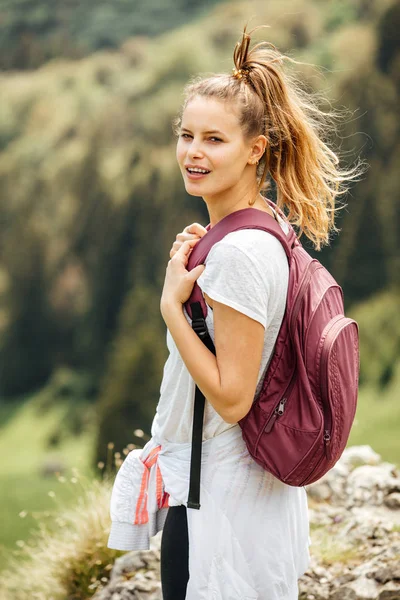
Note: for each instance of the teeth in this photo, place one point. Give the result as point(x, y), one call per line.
point(195, 170)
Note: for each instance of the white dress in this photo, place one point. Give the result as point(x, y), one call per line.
point(250, 538)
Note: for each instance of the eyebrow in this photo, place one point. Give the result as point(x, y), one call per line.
point(206, 132)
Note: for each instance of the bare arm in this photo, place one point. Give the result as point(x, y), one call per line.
point(229, 380)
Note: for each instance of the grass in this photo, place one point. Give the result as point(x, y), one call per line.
point(331, 550)
point(23, 439)
point(377, 421)
point(24, 489)
point(25, 500)
point(68, 557)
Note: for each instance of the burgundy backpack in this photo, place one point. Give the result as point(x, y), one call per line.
point(299, 423)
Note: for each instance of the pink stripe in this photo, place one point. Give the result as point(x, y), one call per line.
point(141, 513)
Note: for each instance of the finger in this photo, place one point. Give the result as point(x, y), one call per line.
point(196, 272)
point(190, 228)
point(189, 244)
point(186, 248)
point(175, 247)
point(182, 237)
point(196, 228)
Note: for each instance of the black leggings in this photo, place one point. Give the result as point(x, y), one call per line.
point(175, 554)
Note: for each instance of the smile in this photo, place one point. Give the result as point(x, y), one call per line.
point(195, 173)
point(197, 170)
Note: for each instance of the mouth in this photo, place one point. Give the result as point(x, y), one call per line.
point(196, 172)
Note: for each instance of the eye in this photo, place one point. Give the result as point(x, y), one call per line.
point(215, 139)
point(185, 136)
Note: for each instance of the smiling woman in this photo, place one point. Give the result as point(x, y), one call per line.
point(215, 160)
point(249, 540)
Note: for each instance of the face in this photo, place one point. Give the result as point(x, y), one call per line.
point(212, 152)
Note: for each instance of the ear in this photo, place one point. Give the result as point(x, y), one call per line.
point(257, 149)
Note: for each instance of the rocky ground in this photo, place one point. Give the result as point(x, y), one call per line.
point(355, 532)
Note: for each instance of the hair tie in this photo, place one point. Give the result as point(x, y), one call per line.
point(240, 73)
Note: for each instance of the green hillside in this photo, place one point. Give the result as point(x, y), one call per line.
point(43, 455)
point(35, 31)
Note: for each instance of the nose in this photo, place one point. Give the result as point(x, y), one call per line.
point(195, 149)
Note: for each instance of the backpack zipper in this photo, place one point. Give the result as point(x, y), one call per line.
point(340, 322)
point(279, 410)
point(280, 407)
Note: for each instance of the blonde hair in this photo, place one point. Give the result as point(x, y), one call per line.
point(297, 157)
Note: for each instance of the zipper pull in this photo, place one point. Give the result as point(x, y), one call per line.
point(327, 442)
point(327, 437)
point(279, 410)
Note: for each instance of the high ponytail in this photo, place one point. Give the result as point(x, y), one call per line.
point(272, 103)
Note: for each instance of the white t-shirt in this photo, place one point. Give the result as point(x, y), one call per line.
point(248, 271)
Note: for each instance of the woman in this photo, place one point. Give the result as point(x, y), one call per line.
point(249, 540)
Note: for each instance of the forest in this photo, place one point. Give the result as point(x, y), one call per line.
point(91, 198)
point(36, 31)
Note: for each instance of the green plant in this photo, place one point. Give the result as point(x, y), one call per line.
point(67, 557)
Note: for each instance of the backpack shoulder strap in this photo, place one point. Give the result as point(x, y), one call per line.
point(246, 218)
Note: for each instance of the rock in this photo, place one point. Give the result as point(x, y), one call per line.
point(393, 500)
point(387, 574)
point(346, 578)
point(127, 563)
point(355, 456)
point(368, 476)
point(358, 478)
point(355, 554)
point(391, 591)
point(344, 593)
point(320, 490)
point(135, 576)
point(364, 588)
point(372, 484)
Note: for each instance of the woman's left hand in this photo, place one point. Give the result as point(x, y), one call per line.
point(179, 282)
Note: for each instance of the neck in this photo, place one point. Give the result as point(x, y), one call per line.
point(232, 200)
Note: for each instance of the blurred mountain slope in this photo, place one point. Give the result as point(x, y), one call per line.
point(35, 31)
point(91, 198)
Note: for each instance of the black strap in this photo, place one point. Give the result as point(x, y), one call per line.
point(200, 327)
